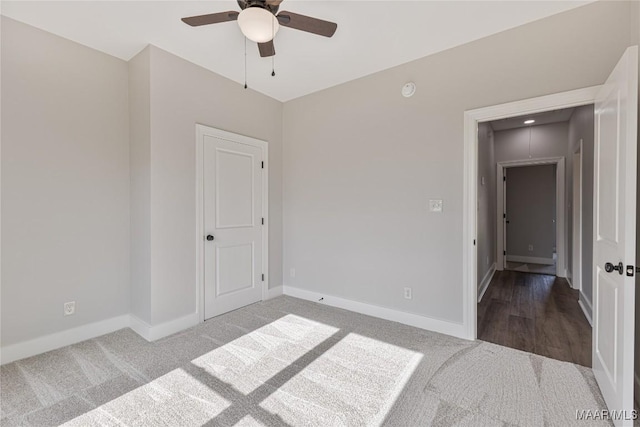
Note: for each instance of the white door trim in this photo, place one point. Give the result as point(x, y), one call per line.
point(576, 210)
point(569, 99)
point(201, 131)
point(560, 211)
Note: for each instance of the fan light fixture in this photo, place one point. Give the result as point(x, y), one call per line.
point(258, 24)
point(528, 122)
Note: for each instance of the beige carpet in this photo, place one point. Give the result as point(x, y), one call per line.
point(294, 363)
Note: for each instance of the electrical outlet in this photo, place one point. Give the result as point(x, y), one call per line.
point(292, 272)
point(435, 205)
point(69, 308)
point(530, 248)
point(407, 293)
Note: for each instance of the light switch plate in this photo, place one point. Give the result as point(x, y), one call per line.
point(435, 205)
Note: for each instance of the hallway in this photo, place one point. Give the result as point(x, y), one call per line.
point(535, 313)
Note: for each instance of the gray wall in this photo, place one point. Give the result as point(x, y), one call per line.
point(140, 190)
point(486, 201)
point(546, 141)
point(531, 211)
point(360, 164)
point(361, 161)
point(183, 94)
point(581, 126)
point(65, 184)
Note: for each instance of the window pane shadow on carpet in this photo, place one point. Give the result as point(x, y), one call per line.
point(292, 362)
point(293, 371)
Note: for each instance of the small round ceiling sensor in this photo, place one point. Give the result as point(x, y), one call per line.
point(408, 89)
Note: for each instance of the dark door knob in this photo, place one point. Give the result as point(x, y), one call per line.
point(209, 237)
point(608, 267)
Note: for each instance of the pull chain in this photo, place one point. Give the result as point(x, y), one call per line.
point(245, 62)
point(273, 57)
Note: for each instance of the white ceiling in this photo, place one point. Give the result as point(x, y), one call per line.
point(544, 118)
point(371, 35)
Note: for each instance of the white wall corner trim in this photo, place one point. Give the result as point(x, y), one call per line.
point(411, 319)
point(57, 340)
point(274, 292)
point(556, 101)
point(486, 280)
point(586, 307)
point(153, 333)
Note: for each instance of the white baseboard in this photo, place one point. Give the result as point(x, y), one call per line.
point(153, 333)
point(274, 292)
point(431, 324)
point(486, 280)
point(569, 281)
point(56, 340)
point(530, 259)
point(586, 307)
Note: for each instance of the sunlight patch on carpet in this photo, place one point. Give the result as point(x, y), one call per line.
point(249, 361)
point(356, 382)
point(293, 370)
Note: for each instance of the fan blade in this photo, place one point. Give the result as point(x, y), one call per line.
point(267, 49)
point(307, 23)
point(274, 2)
point(213, 18)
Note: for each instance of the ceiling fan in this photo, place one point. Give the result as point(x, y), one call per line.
point(258, 22)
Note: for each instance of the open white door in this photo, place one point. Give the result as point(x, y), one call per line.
point(615, 230)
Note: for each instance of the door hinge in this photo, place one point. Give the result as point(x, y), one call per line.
point(262, 221)
point(504, 252)
point(504, 215)
point(262, 165)
point(474, 242)
point(263, 277)
point(504, 178)
point(631, 270)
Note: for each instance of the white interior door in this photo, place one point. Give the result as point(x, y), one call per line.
point(615, 230)
point(232, 188)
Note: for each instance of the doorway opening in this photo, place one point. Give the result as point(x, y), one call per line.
point(530, 216)
point(613, 246)
point(528, 259)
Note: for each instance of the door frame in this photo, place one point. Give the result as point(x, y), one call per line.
point(201, 132)
point(576, 211)
point(561, 250)
point(574, 98)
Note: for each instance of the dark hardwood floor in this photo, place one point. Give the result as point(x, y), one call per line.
point(535, 313)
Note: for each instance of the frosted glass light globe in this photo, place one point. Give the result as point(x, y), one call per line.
point(257, 24)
